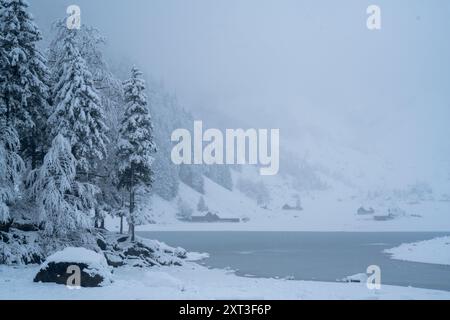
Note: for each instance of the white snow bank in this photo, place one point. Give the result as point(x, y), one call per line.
point(158, 279)
point(196, 256)
point(436, 251)
point(192, 281)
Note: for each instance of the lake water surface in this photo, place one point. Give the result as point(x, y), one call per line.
point(320, 256)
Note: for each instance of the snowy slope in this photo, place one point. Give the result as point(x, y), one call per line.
point(332, 209)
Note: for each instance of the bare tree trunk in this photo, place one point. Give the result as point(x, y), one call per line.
point(131, 220)
point(132, 233)
point(121, 224)
point(33, 147)
point(8, 115)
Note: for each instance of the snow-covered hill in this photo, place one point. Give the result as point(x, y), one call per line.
point(334, 208)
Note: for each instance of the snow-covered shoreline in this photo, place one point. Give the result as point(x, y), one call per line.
point(192, 281)
point(435, 251)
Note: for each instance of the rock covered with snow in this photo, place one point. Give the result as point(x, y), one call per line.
point(93, 267)
point(358, 278)
point(119, 251)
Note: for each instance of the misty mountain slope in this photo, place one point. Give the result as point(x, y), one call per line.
point(334, 208)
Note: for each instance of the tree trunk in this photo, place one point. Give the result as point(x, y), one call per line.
point(102, 224)
point(36, 154)
point(121, 224)
point(8, 115)
point(33, 147)
point(96, 218)
point(131, 215)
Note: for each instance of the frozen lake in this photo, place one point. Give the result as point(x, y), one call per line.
point(320, 256)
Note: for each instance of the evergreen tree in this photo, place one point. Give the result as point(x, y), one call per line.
point(24, 78)
point(201, 206)
point(193, 177)
point(78, 113)
point(164, 111)
point(11, 168)
point(63, 202)
point(136, 146)
point(220, 174)
point(89, 42)
point(166, 174)
point(184, 210)
point(3, 63)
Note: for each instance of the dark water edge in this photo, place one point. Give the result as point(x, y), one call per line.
point(318, 256)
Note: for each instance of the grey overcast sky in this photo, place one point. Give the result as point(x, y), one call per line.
point(298, 65)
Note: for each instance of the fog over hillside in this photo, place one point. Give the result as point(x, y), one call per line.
point(226, 149)
point(311, 69)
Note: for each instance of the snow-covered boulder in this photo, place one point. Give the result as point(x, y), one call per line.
point(94, 269)
point(140, 253)
point(114, 259)
point(358, 278)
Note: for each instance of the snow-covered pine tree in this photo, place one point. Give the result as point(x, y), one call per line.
point(164, 112)
point(11, 168)
point(24, 78)
point(3, 63)
point(184, 210)
point(166, 173)
point(78, 113)
point(89, 41)
point(220, 174)
point(193, 177)
point(63, 202)
point(136, 146)
point(201, 205)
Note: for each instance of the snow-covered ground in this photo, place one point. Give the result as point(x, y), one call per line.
point(193, 281)
point(435, 251)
